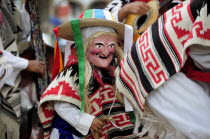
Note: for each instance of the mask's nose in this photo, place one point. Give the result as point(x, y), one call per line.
point(105, 52)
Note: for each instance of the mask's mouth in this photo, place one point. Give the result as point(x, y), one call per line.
point(103, 57)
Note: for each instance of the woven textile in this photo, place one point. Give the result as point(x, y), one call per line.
point(162, 50)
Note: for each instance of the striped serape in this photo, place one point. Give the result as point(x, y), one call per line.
point(162, 50)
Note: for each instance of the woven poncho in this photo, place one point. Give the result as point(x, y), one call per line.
point(162, 50)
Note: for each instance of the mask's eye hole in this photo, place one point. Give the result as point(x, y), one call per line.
point(111, 46)
point(98, 45)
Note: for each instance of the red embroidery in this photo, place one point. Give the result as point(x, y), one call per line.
point(200, 31)
point(64, 89)
point(177, 17)
point(96, 106)
point(150, 60)
point(47, 110)
point(109, 125)
point(108, 97)
point(122, 120)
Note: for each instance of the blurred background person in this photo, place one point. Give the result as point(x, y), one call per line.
point(13, 30)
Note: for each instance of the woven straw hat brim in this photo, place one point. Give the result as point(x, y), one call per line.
point(131, 18)
point(65, 30)
point(153, 16)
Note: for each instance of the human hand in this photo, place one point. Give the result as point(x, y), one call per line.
point(139, 8)
point(36, 66)
point(96, 127)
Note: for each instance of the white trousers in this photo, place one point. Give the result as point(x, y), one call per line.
point(185, 104)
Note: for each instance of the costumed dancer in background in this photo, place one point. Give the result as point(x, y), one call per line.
point(168, 68)
point(63, 12)
point(82, 99)
point(121, 8)
point(11, 31)
point(140, 14)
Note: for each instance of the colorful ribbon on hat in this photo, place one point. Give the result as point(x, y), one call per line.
point(75, 24)
point(97, 13)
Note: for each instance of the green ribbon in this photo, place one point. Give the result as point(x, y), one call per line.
point(75, 24)
point(132, 116)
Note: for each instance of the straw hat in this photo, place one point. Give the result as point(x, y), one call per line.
point(141, 23)
point(92, 17)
